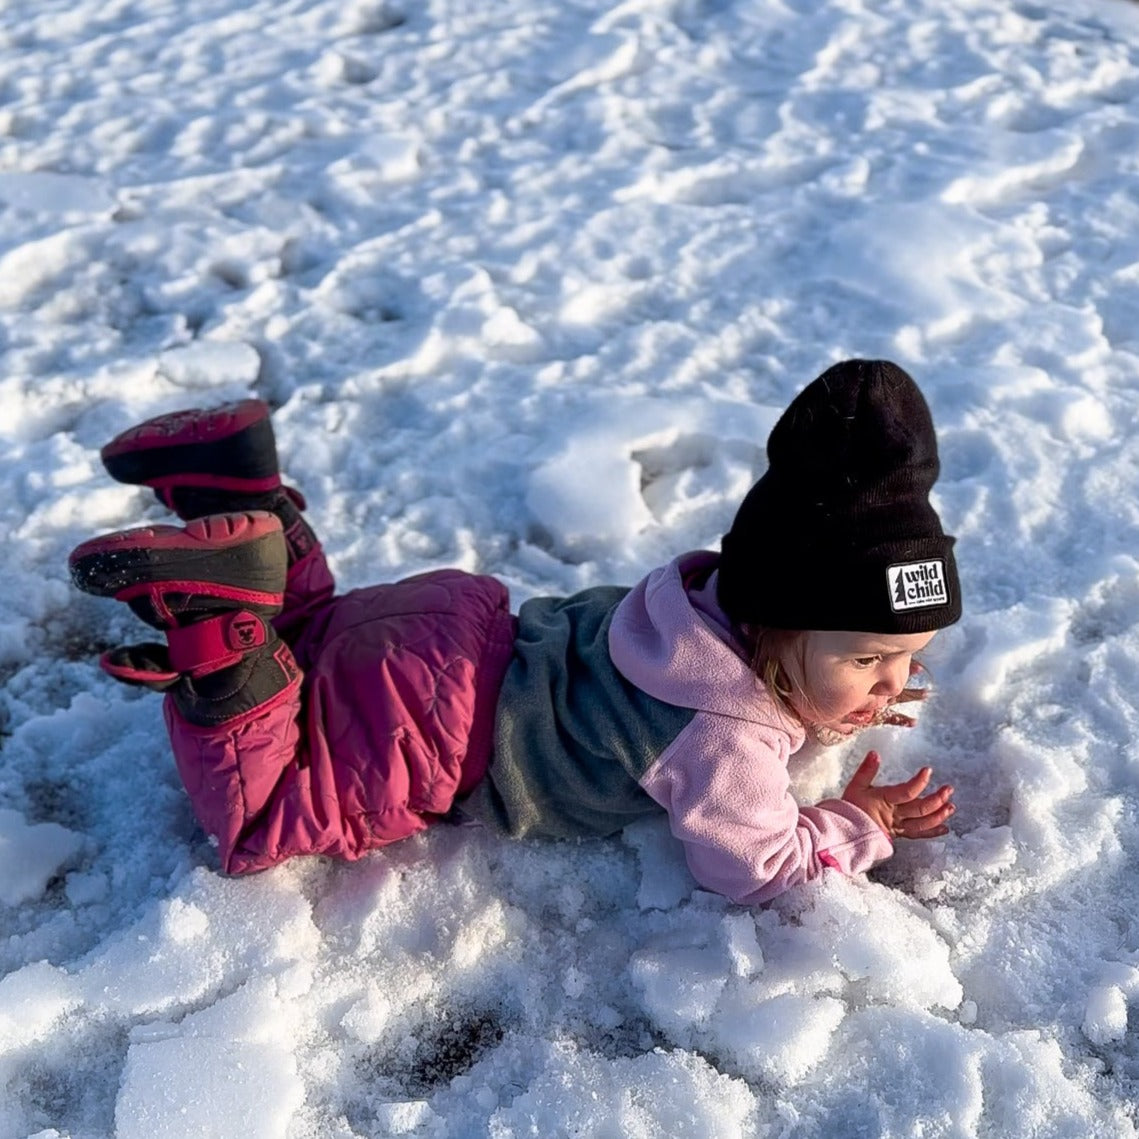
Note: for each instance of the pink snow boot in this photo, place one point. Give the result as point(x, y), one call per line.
point(212, 586)
point(210, 461)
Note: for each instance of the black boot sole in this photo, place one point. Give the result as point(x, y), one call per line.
point(238, 557)
point(231, 447)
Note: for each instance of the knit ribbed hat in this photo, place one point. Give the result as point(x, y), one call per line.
point(839, 534)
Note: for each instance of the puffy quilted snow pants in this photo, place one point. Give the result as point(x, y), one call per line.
point(388, 718)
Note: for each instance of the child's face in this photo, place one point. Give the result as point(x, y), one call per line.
point(843, 680)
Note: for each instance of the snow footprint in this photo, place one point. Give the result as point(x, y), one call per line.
point(695, 474)
point(625, 468)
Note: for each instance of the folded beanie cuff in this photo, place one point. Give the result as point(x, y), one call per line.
point(896, 587)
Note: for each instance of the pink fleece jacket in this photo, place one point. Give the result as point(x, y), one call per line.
point(724, 779)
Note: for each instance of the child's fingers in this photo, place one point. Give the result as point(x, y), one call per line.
point(926, 817)
point(927, 805)
point(905, 792)
point(915, 832)
point(867, 770)
point(897, 720)
point(926, 826)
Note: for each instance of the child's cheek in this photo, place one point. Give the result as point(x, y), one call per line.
point(828, 695)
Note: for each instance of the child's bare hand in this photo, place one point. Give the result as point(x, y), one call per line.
point(900, 809)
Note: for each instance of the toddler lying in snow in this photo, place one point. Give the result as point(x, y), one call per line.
point(303, 722)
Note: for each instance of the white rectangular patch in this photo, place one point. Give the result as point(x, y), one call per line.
point(917, 585)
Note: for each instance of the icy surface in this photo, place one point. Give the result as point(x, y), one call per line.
point(527, 284)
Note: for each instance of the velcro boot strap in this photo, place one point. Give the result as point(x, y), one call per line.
point(216, 642)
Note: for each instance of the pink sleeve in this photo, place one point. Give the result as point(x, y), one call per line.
point(726, 789)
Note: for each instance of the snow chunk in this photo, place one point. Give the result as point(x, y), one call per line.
point(369, 1017)
point(782, 1038)
point(660, 1093)
point(183, 921)
point(743, 946)
point(31, 855)
point(508, 337)
point(665, 878)
point(404, 1117)
point(680, 988)
point(32, 999)
point(1086, 418)
point(1105, 1017)
point(883, 941)
point(211, 934)
point(228, 1070)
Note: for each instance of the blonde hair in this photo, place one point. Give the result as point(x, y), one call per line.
point(766, 650)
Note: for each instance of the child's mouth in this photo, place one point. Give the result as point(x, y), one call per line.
point(839, 730)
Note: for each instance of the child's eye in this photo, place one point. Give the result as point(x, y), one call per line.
point(865, 662)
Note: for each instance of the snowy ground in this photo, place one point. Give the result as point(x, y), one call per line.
point(529, 281)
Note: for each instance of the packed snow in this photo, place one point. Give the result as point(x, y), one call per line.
point(527, 283)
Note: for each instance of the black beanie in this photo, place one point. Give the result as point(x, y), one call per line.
point(839, 534)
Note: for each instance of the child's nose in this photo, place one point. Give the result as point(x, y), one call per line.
point(892, 677)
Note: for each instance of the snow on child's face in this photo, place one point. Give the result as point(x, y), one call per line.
point(842, 680)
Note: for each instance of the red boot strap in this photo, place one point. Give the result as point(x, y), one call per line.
point(130, 667)
point(216, 642)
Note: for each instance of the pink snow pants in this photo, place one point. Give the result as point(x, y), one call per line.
point(388, 720)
